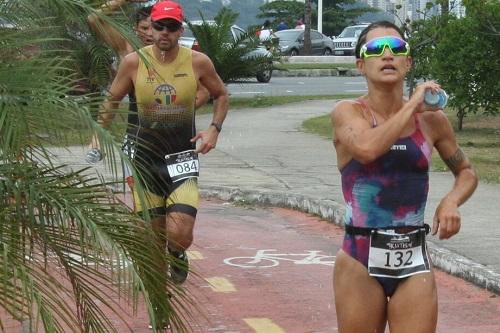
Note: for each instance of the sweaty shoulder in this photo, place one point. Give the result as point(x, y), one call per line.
point(345, 108)
point(200, 59)
point(131, 60)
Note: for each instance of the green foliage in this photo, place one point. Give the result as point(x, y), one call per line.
point(68, 248)
point(234, 59)
point(467, 65)
point(276, 11)
point(337, 14)
point(460, 55)
point(423, 36)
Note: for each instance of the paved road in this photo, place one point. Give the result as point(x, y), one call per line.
point(289, 86)
point(292, 297)
point(289, 293)
point(264, 157)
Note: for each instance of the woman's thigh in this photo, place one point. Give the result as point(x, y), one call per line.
point(360, 301)
point(413, 307)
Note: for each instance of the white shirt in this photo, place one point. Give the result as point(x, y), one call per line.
point(265, 34)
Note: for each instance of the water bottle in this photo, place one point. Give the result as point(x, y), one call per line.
point(93, 156)
point(438, 99)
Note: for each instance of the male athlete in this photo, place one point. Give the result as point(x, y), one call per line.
point(114, 39)
point(165, 78)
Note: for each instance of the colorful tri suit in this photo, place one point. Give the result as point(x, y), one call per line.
point(388, 192)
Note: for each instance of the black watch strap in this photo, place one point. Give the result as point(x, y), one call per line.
point(217, 126)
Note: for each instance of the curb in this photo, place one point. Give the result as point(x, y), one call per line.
point(316, 72)
point(333, 212)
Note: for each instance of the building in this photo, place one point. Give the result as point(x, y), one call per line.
point(414, 9)
point(457, 8)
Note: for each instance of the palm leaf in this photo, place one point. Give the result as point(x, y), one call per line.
point(233, 59)
point(68, 247)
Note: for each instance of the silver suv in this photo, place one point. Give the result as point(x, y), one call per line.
point(345, 43)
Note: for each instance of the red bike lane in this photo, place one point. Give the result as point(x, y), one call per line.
point(269, 270)
point(288, 288)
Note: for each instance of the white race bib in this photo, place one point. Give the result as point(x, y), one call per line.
point(397, 255)
point(183, 165)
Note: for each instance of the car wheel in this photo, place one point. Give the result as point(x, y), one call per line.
point(265, 75)
point(294, 52)
point(327, 52)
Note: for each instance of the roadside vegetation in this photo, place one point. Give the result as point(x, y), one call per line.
point(290, 66)
point(75, 133)
point(479, 138)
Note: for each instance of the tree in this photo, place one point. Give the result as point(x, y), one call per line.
point(234, 59)
point(466, 65)
point(69, 246)
point(307, 24)
point(486, 12)
point(337, 14)
point(423, 36)
point(288, 11)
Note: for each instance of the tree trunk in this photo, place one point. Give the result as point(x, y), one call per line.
point(445, 7)
point(307, 31)
point(461, 116)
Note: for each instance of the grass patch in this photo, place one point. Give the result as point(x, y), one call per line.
point(289, 66)
point(480, 140)
point(76, 135)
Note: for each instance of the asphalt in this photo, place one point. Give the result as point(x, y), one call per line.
point(264, 157)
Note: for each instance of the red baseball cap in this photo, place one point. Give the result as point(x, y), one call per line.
point(167, 10)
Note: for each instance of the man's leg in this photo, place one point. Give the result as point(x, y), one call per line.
point(182, 208)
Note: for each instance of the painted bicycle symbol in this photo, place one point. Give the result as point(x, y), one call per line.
point(266, 259)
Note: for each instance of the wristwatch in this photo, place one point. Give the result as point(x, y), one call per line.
point(217, 126)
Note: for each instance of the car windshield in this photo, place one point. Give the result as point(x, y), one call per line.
point(351, 32)
point(287, 35)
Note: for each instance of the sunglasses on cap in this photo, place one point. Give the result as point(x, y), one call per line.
point(170, 25)
point(376, 47)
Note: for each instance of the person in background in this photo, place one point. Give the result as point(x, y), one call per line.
point(282, 26)
point(300, 24)
point(115, 40)
point(165, 79)
point(266, 31)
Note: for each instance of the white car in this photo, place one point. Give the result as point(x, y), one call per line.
point(345, 43)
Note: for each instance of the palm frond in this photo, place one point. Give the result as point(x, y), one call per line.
point(69, 249)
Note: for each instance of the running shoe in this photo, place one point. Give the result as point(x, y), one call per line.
point(180, 268)
point(164, 326)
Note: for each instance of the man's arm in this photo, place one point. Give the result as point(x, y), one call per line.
point(447, 218)
point(106, 32)
point(202, 96)
point(120, 87)
point(212, 82)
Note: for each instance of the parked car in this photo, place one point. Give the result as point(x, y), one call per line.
point(345, 43)
point(291, 42)
point(188, 40)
